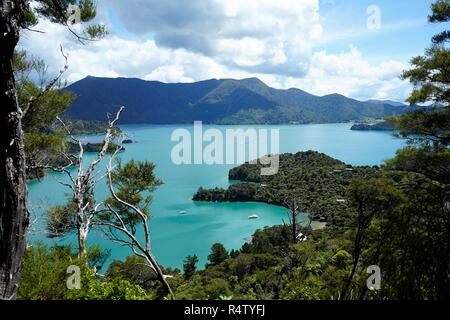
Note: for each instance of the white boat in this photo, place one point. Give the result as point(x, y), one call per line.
point(182, 212)
point(253, 216)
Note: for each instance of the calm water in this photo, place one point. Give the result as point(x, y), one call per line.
point(175, 235)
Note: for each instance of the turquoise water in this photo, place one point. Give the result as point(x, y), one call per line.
point(175, 235)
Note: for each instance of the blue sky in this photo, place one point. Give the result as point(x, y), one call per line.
point(321, 46)
point(407, 29)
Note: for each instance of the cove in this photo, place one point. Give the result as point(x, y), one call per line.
point(176, 235)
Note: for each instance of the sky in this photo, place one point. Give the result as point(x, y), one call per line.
point(357, 48)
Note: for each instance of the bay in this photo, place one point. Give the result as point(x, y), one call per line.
point(176, 235)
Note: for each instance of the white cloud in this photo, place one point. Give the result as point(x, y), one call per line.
point(245, 52)
point(350, 74)
point(254, 35)
point(169, 73)
point(273, 41)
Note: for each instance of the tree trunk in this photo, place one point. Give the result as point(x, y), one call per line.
point(362, 224)
point(294, 227)
point(356, 256)
point(159, 273)
point(13, 187)
point(82, 235)
point(81, 226)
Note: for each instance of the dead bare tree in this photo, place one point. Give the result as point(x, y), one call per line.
point(127, 235)
point(293, 212)
point(82, 184)
point(88, 212)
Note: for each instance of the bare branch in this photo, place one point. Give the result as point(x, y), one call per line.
point(48, 87)
point(83, 183)
point(34, 30)
point(104, 149)
point(144, 251)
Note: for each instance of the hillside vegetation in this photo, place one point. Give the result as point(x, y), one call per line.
point(380, 126)
point(224, 101)
point(316, 181)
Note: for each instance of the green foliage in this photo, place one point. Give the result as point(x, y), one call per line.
point(136, 270)
point(133, 182)
point(21, 64)
point(74, 148)
point(302, 292)
point(426, 128)
point(50, 103)
point(415, 259)
point(109, 289)
point(440, 13)
point(44, 276)
point(341, 259)
point(45, 137)
point(44, 149)
point(409, 238)
point(399, 213)
point(218, 254)
point(61, 220)
point(204, 288)
point(40, 143)
point(80, 127)
point(277, 115)
point(45, 109)
point(386, 125)
point(133, 269)
point(189, 266)
point(62, 12)
point(431, 73)
point(434, 165)
point(403, 219)
point(430, 77)
point(236, 192)
point(315, 179)
point(96, 31)
point(42, 146)
point(270, 240)
point(212, 101)
point(374, 196)
point(283, 273)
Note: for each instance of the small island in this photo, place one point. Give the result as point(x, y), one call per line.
point(316, 181)
point(386, 125)
point(76, 127)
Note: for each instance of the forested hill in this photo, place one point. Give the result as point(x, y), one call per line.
point(316, 181)
point(224, 101)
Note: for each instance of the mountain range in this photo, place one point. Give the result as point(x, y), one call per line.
point(220, 101)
